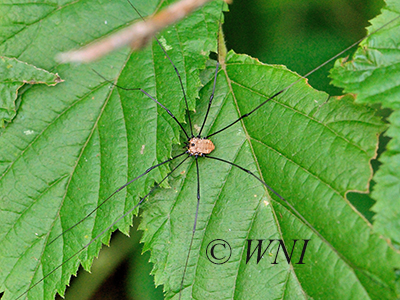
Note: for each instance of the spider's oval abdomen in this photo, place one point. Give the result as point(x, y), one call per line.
point(199, 146)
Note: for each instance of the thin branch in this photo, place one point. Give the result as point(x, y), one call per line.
point(136, 36)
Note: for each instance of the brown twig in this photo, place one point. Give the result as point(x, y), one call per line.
point(136, 36)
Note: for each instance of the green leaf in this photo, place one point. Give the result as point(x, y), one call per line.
point(374, 75)
point(14, 74)
point(305, 146)
point(85, 134)
point(90, 138)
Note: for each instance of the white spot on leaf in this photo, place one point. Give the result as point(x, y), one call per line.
point(196, 127)
point(29, 132)
point(164, 43)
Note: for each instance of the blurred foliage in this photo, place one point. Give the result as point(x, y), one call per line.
point(299, 34)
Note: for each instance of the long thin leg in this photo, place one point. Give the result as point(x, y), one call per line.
point(211, 99)
point(194, 228)
point(175, 68)
point(180, 81)
point(117, 191)
point(284, 200)
point(105, 230)
point(148, 95)
point(302, 77)
point(248, 114)
point(272, 190)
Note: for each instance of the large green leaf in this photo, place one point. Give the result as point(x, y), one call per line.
point(309, 148)
point(373, 74)
point(90, 138)
point(85, 135)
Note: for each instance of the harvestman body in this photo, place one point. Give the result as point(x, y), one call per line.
point(200, 147)
point(196, 147)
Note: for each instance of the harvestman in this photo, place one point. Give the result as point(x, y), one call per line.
point(197, 146)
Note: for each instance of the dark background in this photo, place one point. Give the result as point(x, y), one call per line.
point(300, 34)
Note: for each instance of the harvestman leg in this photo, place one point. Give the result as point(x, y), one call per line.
point(198, 183)
point(176, 71)
point(117, 191)
point(209, 101)
point(109, 227)
point(248, 114)
point(276, 193)
point(194, 226)
point(148, 95)
point(303, 77)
